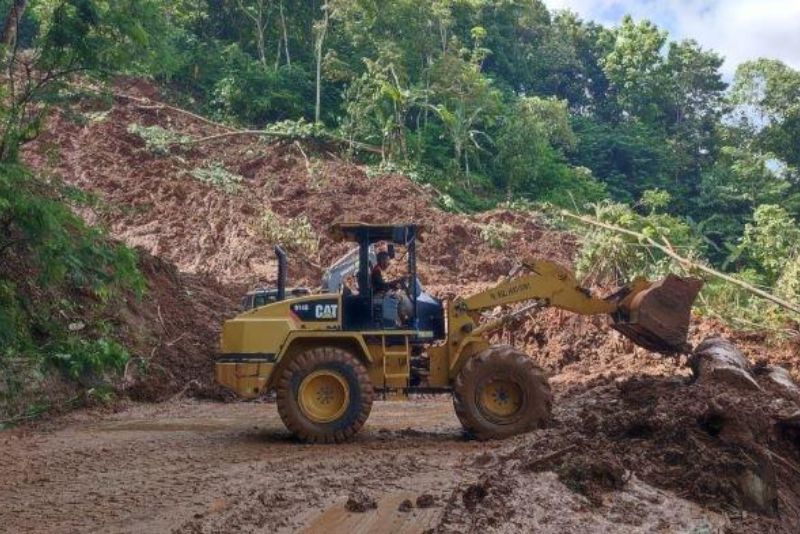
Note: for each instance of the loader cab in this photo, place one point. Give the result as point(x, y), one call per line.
point(363, 309)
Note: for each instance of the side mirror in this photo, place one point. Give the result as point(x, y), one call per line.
point(390, 250)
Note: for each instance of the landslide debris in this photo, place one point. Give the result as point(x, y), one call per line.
point(174, 331)
point(727, 449)
point(204, 244)
point(630, 417)
point(153, 200)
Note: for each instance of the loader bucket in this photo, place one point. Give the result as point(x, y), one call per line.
point(658, 317)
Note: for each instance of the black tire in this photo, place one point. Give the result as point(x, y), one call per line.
point(488, 372)
point(340, 363)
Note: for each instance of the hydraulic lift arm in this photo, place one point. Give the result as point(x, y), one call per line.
point(654, 315)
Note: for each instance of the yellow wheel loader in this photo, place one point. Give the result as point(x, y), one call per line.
point(326, 354)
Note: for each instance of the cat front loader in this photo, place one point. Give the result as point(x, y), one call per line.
point(327, 355)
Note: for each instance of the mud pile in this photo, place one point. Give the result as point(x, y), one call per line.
point(726, 449)
point(174, 331)
point(153, 201)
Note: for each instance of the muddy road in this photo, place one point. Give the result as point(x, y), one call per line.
point(193, 466)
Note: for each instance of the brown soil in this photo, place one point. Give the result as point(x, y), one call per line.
point(634, 447)
point(195, 466)
point(152, 201)
point(174, 329)
point(712, 445)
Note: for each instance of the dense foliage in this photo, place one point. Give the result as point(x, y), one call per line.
point(58, 276)
point(504, 100)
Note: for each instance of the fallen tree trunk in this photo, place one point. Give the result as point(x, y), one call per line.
point(782, 381)
point(716, 359)
point(233, 132)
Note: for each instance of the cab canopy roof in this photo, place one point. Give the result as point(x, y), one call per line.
point(399, 234)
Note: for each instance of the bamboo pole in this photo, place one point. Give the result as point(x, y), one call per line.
point(683, 261)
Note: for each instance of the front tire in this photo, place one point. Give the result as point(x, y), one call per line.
point(501, 392)
point(324, 395)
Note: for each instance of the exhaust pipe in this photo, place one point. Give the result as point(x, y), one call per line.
point(279, 252)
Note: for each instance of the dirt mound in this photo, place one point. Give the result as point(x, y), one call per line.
point(718, 446)
point(154, 201)
point(174, 331)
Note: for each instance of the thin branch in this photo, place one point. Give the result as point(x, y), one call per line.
point(308, 163)
point(285, 135)
point(684, 261)
point(147, 104)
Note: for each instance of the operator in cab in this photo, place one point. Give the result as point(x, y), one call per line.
point(397, 307)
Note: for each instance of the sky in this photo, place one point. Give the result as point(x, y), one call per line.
point(738, 29)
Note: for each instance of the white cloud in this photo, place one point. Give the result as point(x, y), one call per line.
point(738, 29)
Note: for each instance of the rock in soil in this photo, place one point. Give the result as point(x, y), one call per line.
point(426, 500)
point(405, 506)
point(359, 502)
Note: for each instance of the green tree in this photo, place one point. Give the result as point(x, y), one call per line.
point(693, 104)
point(466, 103)
point(378, 105)
point(635, 67)
point(629, 156)
point(771, 241)
point(75, 36)
point(730, 191)
point(530, 161)
point(769, 93)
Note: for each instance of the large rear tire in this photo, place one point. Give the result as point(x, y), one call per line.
point(324, 395)
point(501, 392)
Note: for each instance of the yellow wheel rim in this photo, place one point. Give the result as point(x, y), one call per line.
point(323, 396)
point(500, 399)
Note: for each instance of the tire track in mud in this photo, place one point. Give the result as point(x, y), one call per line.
point(207, 467)
point(201, 467)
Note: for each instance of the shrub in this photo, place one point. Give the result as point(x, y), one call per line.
point(79, 357)
point(611, 256)
point(216, 175)
point(294, 234)
point(156, 139)
point(254, 94)
point(496, 235)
